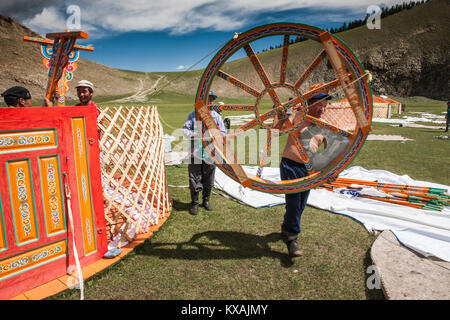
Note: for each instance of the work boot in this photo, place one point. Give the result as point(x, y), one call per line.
point(194, 209)
point(293, 249)
point(291, 242)
point(207, 205)
point(194, 202)
point(206, 195)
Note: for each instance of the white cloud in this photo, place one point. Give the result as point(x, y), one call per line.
point(180, 16)
point(51, 19)
point(181, 68)
point(174, 15)
point(48, 20)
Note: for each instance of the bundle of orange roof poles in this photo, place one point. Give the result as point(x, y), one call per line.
point(407, 195)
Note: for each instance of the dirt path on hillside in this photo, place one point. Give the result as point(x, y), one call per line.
point(141, 92)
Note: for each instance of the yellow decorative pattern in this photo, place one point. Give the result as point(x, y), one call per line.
point(22, 201)
point(26, 140)
point(81, 161)
point(51, 192)
point(31, 259)
point(2, 232)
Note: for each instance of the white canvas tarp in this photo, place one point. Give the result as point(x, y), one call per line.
point(425, 231)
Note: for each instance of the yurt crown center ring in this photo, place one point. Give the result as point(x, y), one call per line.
point(282, 108)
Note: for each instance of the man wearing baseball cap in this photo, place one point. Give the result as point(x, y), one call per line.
point(17, 97)
point(20, 97)
point(292, 167)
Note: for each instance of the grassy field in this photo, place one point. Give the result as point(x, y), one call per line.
point(235, 252)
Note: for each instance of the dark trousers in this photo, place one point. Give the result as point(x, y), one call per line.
point(295, 202)
point(201, 177)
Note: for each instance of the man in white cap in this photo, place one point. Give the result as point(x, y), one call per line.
point(85, 91)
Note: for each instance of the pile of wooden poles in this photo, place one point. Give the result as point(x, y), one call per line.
point(411, 196)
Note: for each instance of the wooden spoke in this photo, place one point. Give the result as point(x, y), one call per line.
point(231, 107)
point(236, 82)
point(251, 124)
point(236, 167)
point(342, 74)
point(262, 73)
point(292, 102)
point(265, 152)
point(301, 150)
point(218, 141)
point(327, 126)
point(322, 89)
point(238, 131)
point(284, 59)
point(281, 117)
point(310, 69)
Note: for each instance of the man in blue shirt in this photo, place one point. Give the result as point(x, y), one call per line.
point(201, 167)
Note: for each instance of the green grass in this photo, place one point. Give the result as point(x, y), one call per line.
point(235, 252)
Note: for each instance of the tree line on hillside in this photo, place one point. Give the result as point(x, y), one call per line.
point(385, 12)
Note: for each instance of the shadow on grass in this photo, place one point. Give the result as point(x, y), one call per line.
point(218, 245)
point(180, 206)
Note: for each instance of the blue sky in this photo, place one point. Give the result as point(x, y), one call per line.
point(173, 35)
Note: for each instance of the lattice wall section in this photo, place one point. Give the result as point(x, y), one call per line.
point(381, 110)
point(133, 173)
point(341, 115)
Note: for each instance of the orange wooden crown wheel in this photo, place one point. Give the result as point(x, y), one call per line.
point(342, 144)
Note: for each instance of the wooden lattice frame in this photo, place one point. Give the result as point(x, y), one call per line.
point(133, 173)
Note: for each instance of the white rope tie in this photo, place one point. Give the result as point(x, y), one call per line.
point(75, 251)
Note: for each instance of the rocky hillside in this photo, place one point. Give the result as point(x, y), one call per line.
point(408, 56)
point(21, 64)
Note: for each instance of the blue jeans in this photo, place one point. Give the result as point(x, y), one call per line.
point(295, 202)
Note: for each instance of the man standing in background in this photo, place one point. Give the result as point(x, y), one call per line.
point(201, 168)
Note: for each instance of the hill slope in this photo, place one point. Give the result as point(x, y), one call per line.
point(408, 56)
point(21, 64)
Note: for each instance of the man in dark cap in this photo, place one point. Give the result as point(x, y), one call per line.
point(20, 97)
point(17, 97)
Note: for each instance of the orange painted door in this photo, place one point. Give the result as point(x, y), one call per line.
point(41, 150)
